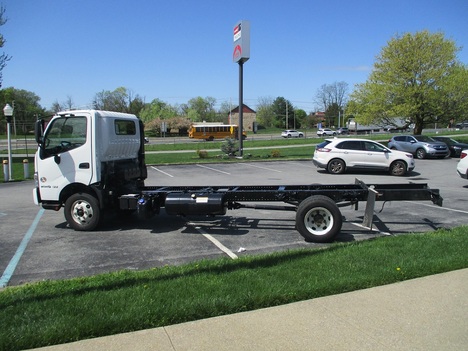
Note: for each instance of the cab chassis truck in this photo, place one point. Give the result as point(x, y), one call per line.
point(91, 161)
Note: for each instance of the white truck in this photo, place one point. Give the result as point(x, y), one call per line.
point(89, 161)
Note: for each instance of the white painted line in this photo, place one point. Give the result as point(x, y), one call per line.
point(213, 169)
point(217, 243)
point(268, 169)
point(157, 169)
point(435, 207)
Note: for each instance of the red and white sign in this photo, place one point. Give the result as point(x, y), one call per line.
point(237, 32)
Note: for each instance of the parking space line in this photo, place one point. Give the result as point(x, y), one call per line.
point(157, 169)
point(434, 206)
point(19, 252)
point(217, 243)
point(213, 169)
point(268, 169)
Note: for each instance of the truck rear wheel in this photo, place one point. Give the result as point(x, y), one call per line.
point(318, 219)
point(82, 212)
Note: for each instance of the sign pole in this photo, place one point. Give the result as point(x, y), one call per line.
point(241, 108)
point(241, 53)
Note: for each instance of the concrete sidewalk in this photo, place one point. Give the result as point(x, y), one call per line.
point(429, 313)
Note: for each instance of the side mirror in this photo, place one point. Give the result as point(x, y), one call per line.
point(39, 130)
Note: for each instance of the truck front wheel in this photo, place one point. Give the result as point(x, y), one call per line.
point(318, 219)
point(82, 212)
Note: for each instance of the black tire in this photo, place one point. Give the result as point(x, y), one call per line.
point(336, 166)
point(82, 212)
point(289, 135)
point(318, 219)
point(420, 153)
point(301, 135)
point(398, 168)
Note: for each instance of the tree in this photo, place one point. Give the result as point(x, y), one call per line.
point(157, 109)
point(265, 113)
point(201, 109)
point(4, 58)
point(66, 105)
point(119, 100)
point(283, 112)
point(413, 77)
point(334, 94)
point(26, 109)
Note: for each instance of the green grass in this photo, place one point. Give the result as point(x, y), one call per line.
point(53, 312)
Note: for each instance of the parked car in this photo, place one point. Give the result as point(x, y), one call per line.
point(291, 134)
point(421, 146)
point(325, 132)
point(339, 155)
point(343, 131)
point(462, 165)
point(454, 146)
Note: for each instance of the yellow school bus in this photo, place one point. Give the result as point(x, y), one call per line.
point(212, 131)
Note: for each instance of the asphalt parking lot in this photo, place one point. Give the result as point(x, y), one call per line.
point(37, 245)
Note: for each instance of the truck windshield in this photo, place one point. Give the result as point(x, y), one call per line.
point(64, 134)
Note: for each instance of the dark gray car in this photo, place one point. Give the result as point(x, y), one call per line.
point(454, 146)
point(421, 146)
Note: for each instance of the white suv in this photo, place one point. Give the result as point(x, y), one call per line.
point(291, 134)
point(339, 155)
point(325, 131)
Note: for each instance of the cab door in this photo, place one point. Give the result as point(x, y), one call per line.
point(65, 155)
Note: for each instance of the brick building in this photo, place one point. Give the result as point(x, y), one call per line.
point(249, 116)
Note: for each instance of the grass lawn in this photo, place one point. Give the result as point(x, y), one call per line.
point(54, 312)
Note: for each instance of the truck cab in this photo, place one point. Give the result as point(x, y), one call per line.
point(96, 153)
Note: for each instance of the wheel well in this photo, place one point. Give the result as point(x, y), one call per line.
point(406, 163)
point(337, 159)
point(74, 188)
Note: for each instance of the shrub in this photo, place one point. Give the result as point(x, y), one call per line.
point(202, 153)
point(275, 153)
point(230, 146)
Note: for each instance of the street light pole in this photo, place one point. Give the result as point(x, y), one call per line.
point(8, 111)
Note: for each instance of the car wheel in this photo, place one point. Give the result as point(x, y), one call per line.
point(420, 154)
point(301, 135)
point(334, 134)
point(289, 135)
point(336, 166)
point(398, 168)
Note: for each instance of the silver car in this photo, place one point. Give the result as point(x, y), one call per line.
point(421, 146)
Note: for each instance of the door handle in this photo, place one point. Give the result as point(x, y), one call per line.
point(84, 165)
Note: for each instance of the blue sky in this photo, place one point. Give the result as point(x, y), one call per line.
point(176, 50)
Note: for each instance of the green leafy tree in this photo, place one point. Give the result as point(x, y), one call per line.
point(4, 58)
point(201, 109)
point(300, 117)
point(157, 109)
point(26, 109)
point(283, 111)
point(265, 112)
point(413, 77)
